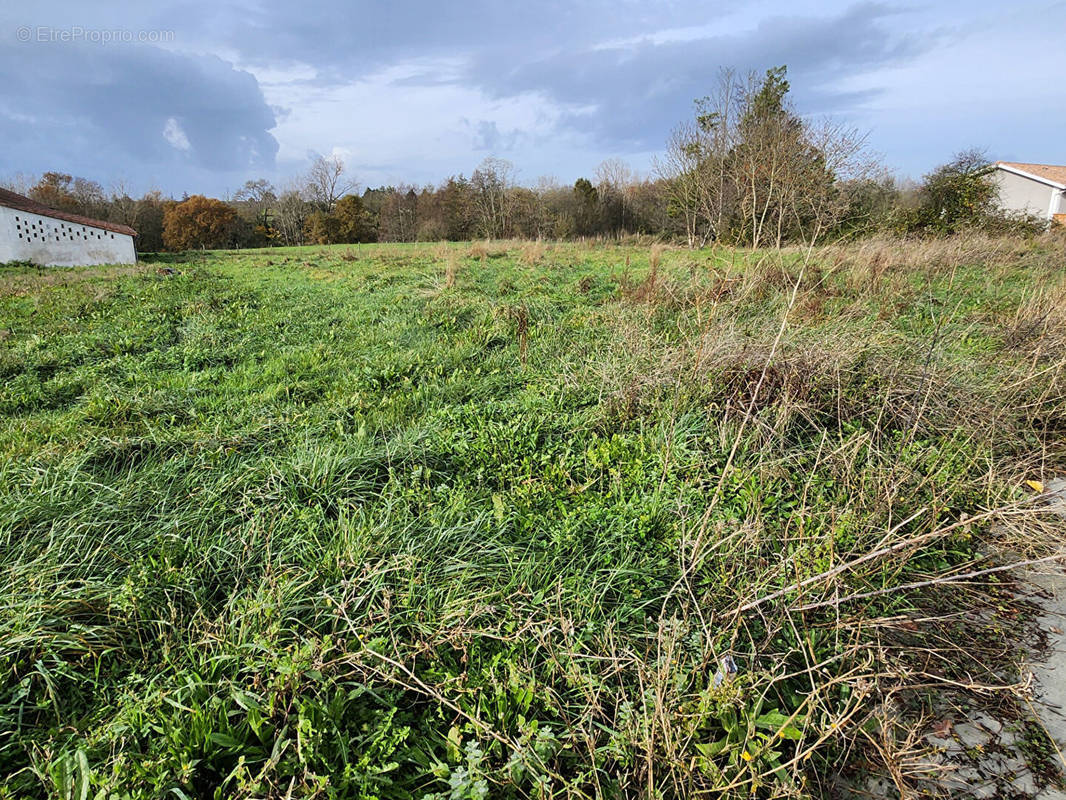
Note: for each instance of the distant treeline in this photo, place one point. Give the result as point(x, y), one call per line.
point(746, 170)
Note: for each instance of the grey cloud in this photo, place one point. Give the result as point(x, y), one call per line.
point(637, 92)
point(488, 136)
point(340, 37)
point(344, 39)
point(93, 109)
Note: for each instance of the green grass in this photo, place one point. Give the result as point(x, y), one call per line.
point(329, 522)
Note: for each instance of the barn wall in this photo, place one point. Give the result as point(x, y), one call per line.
point(1017, 193)
point(55, 242)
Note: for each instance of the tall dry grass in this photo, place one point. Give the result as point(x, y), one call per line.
point(532, 253)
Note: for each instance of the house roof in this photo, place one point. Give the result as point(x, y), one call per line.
point(21, 203)
point(1046, 173)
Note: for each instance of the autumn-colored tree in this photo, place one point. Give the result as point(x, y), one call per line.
point(322, 228)
point(356, 224)
point(54, 190)
point(66, 193)
point(198, 222)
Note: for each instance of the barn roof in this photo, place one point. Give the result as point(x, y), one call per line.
point(1047, 173)
point(21, 203)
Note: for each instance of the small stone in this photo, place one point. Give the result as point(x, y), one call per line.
point(970, 735)
point(941, 743)
point(989, 723)
point(963, 777)
point(1014, 765)
point(1025, 783)
point(1008, 738)
point(1056, 496)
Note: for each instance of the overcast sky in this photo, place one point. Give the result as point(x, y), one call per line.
point(201, 95)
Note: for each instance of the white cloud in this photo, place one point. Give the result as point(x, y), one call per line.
point(175, 136)
point(408, 122)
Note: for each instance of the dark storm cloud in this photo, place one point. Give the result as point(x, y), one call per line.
point(628, 96)
point(74, 107)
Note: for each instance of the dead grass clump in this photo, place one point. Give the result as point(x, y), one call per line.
point(479, 251)
point(623, 406)
point(721, 288)
point(451, 270)
point(771, 276)
point(648, 289)
point(484, 250)
point(1039, 325)
point(810, 308)
point(744, 385)
point(872, 258)
point(532, 252)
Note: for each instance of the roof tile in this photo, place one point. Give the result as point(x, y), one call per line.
point(1050, 172)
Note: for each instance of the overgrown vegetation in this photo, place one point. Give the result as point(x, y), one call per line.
point(959, 196)
point(750, 170)
point(515, 520)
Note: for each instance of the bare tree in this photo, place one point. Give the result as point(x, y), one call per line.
point(818, 205)
point(290, 215)
point(123, 208)
point(615, 181)
point(698, 166)
point(325, 183)
point(20, 183)
point(258, 197)
point(492, 182)
point(546, 193)
point(679, 169)
point(398, 217)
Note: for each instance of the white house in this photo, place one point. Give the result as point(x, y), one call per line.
point(31, 231)
point(1037, 189)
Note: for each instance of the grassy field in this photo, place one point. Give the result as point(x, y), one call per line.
point(515, 520)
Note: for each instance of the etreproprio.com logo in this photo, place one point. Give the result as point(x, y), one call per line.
point(76, 33)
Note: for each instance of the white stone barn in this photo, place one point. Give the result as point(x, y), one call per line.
point(31, 231)
point(1036, 189)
